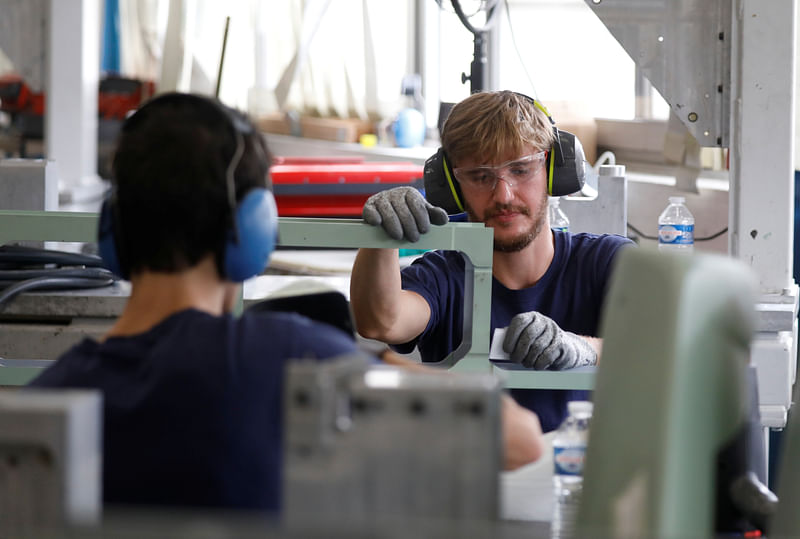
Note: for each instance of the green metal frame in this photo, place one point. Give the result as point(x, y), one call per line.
point(47, 226)
point(473, 240)
point(672, 393)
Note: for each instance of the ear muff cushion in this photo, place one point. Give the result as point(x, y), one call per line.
point(441, 187)
point(106, 240)
point(569, 176)
point(549, 167)
point(257, 227)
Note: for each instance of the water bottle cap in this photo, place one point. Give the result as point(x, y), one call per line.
point(677, 200)
point(580, 407)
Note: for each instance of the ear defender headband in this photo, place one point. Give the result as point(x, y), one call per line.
point(565, 169)
point(253, 230)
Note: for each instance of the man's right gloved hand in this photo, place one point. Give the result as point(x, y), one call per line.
point(403, 213)
point(537, 342)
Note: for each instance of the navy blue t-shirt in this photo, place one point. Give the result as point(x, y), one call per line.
point(193, 407)
point(571, 292)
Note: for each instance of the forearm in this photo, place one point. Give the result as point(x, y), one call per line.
point(374, 289)
point(381, 308)
point(522, 435)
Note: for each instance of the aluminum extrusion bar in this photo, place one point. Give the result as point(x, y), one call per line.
point(47, 226)
point(472, 239)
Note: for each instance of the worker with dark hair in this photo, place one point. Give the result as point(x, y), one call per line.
point(192, 394)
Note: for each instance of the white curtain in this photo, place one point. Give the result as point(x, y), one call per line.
point(342, 58)
point(141, 37)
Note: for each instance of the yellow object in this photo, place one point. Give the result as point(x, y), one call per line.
point(368, 140)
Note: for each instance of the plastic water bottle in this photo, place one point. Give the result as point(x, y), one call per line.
point(409, 128)
point(569, 451)
point(558, 219)
point(676, 227)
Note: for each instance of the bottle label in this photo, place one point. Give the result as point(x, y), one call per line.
point(676, 234)
point(560, 228)
point(568, 460)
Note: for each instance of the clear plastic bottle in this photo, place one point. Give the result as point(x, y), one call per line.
point(409, 127)
point(558, 219)
point(676, 227)
point(569, 451)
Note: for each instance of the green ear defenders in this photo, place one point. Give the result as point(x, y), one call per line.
point(565, 170)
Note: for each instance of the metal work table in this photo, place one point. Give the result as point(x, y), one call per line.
point(473, 240)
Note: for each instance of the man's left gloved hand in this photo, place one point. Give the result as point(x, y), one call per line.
point(402, 212)
point(537, 342)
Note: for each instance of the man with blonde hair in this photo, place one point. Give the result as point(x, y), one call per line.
point(500, 158)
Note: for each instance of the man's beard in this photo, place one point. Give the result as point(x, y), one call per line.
point(519, 242)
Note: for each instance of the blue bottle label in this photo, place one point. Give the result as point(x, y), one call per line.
point(568, 460)
point(676, 234)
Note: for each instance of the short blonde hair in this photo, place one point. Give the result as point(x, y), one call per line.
point(488, 125)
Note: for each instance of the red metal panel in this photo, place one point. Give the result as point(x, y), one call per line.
point(346, 173)
point(358, 181)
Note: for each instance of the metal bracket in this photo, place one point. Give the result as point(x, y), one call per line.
point(473, 240)
point(663, 39)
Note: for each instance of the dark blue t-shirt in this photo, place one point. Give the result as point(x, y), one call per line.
point(193, 407)
point(571, 292)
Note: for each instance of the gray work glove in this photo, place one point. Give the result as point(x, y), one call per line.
point(537, 342)
point(402, 212)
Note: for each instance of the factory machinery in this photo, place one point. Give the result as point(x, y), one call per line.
point(726, 96)
point(735, 100)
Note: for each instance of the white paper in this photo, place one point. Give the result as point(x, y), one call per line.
point(496, 351)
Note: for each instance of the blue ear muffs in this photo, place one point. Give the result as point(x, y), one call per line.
point(106, 242)
point(253, 230)
point(257, 230)
point(247, 250)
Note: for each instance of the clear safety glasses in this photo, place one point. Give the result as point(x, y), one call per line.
point(485, 178)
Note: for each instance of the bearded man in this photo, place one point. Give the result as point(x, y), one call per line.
point(548, 286)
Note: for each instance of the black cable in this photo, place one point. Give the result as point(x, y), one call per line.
point(640, 233)
point(17, 255)
point(491, 19)
point(27, 268)
point(11, 276)
point(52, 283)
point(713, 236)
point(483, 5)
point(705, 238)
